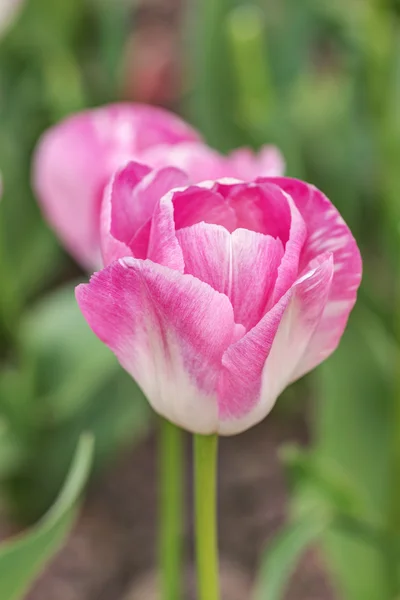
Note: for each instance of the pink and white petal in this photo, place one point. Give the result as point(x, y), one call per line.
point(131, 128)
point(126, 214)
point(195, 204)
point(150, 190)
point(289, 267)
point(177, 209)
point(169, 331)
point(69, 175)
point(203, 163)
point(245, 164)
point(180, 208)
point(243, 265)
point(163, 247)
point(206, 253)
point(135, 191)
point(111, 248)
point(326, 232)
point(263, 207)
point(74, 161)
point(261, 364)
point(256, 260)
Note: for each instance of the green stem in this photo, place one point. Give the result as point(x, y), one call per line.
point(205, 473)
point(171, 510)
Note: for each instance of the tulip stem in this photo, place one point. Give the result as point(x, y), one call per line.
point(205, 474)
point(171, 510)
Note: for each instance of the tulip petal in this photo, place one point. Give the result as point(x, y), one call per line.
point(327, 232)
point(75, 160)
point(164, 247)
point(260, 365)
point(129, 205)
point(199, 203)
point(111, 247)
point(198, 160)
point(243, 265)
point(245, 164)
point(168, 330)
point(203, 163)
point(289, 267)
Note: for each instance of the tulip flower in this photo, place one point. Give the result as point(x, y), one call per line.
point(75, 160)
point(217, 296)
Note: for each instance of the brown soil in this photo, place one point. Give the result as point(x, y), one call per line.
point(111, 554)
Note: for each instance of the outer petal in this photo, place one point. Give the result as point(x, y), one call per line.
point(168, 330)
point(243, 265)
point(261, 364)
point(129, 204)
point(75, 160)
point(327, 232)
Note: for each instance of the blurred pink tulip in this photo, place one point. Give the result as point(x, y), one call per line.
point(75, 160)
point(217, 296)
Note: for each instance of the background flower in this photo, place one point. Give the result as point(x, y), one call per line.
point(75, 160)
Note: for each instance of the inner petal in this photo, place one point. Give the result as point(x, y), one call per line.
point(200, 204)
point(243, 265)
point(261, 207)
point(258, 207)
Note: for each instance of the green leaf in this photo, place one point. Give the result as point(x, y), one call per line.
point(313, 470)
point(282, 556)
point(22, 559)
point(71, 363)
point(78, 386)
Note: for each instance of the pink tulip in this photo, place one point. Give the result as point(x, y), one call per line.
point(217, 296)
point(75, 160)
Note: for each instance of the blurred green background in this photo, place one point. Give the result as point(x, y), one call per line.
point(319, 78)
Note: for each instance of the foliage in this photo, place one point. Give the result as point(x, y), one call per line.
point(22, 558)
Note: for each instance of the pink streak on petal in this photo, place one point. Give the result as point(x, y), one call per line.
point(327, 232)
point(260, 365)
point(242, 265)
point(169, 331)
